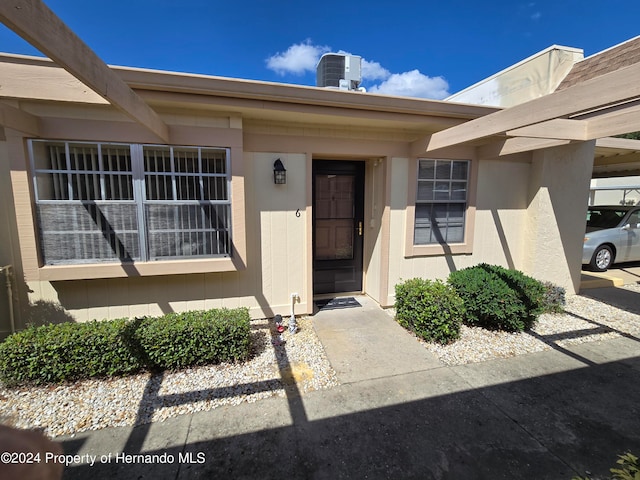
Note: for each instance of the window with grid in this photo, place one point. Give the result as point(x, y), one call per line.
point(441, 201)
point(119, 202)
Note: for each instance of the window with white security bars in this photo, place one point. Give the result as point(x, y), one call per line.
point(441, 201)
point(106, 202)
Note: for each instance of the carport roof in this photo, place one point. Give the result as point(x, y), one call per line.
point(616, 157)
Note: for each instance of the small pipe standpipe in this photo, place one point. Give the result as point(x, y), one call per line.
point(293, 326)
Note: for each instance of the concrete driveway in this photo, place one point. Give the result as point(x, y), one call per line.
point(620, 274)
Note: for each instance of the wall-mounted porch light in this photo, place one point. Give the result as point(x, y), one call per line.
point(279, 173)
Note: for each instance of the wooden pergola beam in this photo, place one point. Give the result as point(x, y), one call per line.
point(509, 146)
point(559, 128)
point(621, 121)
point(608, 89)
point(620, 143)
point(37, 24)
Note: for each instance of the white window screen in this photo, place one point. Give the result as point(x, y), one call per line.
point(187, 205)
point(110, 202)
point(441, 201)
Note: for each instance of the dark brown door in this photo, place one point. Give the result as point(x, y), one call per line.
point(338, 215)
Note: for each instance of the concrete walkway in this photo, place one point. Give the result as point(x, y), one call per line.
point(399, 413)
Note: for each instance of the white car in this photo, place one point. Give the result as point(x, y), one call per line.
point(612, 235)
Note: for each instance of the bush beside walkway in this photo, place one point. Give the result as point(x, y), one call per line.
point(487, 296)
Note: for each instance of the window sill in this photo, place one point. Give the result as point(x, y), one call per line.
point(139, 269)
point(438, 249)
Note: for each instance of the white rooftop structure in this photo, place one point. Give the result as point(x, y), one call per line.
point(534, 77)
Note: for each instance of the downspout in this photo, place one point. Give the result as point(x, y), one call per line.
point(7, 272)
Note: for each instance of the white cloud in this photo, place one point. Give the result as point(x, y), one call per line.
point(536, 16)
point(413, 84)
point(298, 59)
point(374, 71)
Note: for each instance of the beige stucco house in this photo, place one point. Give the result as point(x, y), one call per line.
point(164, 198)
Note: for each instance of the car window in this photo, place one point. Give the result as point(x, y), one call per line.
point(634, 219)
point(604, 218)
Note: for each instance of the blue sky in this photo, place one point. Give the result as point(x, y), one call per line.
point(413, 48)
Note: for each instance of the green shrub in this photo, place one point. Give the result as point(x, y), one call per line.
point(554, 298)
point(71, 351)
point(431, 309)
point(58, 352)
point(195, 338)
point(498, 299)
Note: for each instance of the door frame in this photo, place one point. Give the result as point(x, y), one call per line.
point(345, 167)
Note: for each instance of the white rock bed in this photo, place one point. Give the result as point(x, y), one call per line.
point(582, 314)
point(138, 399)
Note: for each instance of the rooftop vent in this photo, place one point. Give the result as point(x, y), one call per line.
point(341, 71)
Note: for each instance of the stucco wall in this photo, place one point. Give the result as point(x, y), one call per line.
point(529, 216)
point(556, 213)
point(501, 209)
point(276, 222)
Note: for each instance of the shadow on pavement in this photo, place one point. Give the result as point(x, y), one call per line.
point(152, 399)
point(548, 427)
point(621, 298)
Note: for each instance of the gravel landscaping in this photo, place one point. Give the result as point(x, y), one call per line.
point(138, 399)
point(585, 320)
point(300, 363)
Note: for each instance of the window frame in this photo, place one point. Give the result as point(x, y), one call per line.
point(434, 249)
point(174, 175)
point(137, 172)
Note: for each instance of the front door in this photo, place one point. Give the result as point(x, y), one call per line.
point(338, 215)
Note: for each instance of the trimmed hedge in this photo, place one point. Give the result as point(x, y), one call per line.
point(195, 338)
point(431, 309)
point(498, 299)
point(72, 351)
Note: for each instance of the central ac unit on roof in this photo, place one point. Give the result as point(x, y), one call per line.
point(341, 71)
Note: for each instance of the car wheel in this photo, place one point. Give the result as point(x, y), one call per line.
point(602, 258)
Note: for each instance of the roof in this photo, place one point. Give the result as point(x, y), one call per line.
point(616, 157)
point(38, 83)
point(610, 60)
